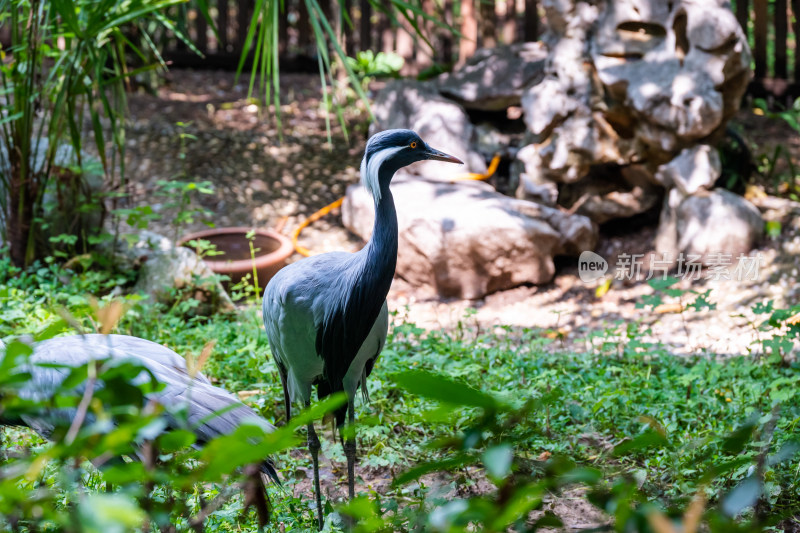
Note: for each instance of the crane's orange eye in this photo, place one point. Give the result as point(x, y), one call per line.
point(413, 144)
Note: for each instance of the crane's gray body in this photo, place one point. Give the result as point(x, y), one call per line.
point(326, 316)
point(296, 303)
point(197, 395)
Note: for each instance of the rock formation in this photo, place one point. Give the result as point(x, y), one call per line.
point(441, 122)
point(615, 114)
point(632, 84)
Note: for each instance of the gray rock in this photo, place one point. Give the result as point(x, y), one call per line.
point(551, 105)
point(442, 123)
point(611, 192)
point(666, 240)
point(693, 169)
point(718, 222)
point(466, 240)
point(532, 181)
point(489, 140)
point(494, 78)
point(166, 271)
point(707, 224)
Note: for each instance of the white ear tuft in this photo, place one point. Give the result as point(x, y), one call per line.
point(370, 169)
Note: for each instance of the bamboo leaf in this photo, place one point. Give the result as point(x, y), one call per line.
point(178, 33)
point(66, 10)
point(343, 58)
point(129, 16)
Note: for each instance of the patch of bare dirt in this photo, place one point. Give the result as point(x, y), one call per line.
point(262, 178)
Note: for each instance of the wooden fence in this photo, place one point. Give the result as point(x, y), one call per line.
point(772, 27)
point(773, 30)
point(481, 22)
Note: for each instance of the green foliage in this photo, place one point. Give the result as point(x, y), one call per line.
point(791, 116)
point(475, 429)
point(654, 429)
point(66, 58)
point(262, 41)
point(179, 196)
point(55, 485)
point(369, 64)
point(785, 183)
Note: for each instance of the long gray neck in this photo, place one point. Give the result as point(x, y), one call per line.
point(380, 253)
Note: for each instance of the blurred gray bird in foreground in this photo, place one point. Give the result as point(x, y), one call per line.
point(326, 316)
point(196, 395)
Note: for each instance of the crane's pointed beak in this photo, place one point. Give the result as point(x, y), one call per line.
point(432, 153)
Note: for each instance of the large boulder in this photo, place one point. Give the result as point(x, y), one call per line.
point(707, 225)
point(633, 82)
point(693, 169)
point(466, 240)
point(494, 78)
point(442, 123)
point(168, 273)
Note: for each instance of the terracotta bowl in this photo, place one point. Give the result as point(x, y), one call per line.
point(272, 251)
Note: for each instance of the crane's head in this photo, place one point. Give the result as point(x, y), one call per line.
point(390, 150)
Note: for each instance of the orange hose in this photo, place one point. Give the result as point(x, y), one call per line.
point(488, 174)
point(313, 218)
point(330, 207)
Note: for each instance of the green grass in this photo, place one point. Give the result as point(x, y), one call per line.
point(668, 426)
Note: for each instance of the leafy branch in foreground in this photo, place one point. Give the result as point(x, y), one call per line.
point(118, 458)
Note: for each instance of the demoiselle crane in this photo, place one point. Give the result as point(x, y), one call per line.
point(326, 316)
point(210, 411)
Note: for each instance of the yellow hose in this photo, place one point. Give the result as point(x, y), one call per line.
point(330, 207)
point(485, 176)
point(313, 218)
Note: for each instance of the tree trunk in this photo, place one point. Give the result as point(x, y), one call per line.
point(304, 35)
point(20, 214)
point(531, 30)
point(447, 37)
point(348, 29)
point(283, 28)
point(222, 25)
point(365, 25)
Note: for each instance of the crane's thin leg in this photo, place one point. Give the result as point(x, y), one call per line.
point(350, 449)
point(313, 447)
point(287, 403)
